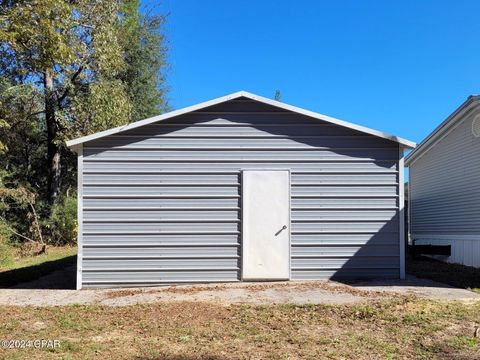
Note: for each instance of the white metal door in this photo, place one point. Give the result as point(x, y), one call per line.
point(266, 224)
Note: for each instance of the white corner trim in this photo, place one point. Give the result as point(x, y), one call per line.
point(401, 210)
point(281, 105)
point(409, 209)
point(79, 215)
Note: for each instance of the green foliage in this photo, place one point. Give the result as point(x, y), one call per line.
point(62, 224)
point(67, 69)
point(145, 58)
point(39, 33)
point(107, 105)
point(18, 217)
point(6, 254)
point(21, 137)
point(6, 248)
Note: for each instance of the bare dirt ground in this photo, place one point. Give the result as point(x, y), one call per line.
point(41, 293)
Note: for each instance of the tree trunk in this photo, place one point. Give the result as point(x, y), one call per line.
point(53, 150)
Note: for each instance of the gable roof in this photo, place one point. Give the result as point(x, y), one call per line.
point(443, 129)
point(72, 144)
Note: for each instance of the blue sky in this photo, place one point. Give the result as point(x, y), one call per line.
point(397, 66)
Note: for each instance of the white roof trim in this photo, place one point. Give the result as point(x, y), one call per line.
point(442, 130)
point(72, 143)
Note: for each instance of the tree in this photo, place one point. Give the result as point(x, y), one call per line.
point(69, 68)
point(144, 48)
point(22, 139)
point(68, 50)
point(20, 163)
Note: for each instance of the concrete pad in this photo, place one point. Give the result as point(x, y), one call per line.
point(423, 288)
point(295, 292)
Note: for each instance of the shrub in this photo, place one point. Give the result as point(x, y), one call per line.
point(7, 251)
point(62, 223)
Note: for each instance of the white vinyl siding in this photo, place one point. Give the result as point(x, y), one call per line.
point(445, 193)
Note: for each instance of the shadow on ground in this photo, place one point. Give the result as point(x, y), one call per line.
point(456, 275)
point(427, 272)
point(61, 275)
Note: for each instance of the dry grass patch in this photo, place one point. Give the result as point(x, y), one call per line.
point(330, 286)
point(113, 294)
point(388, 328)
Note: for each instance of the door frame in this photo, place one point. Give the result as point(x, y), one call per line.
point(243, 208)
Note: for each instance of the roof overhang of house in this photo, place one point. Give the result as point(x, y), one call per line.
point(75, 143)
point(443, 129)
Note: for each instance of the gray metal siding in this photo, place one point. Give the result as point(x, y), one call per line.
point(445, 185)
point(161, 203)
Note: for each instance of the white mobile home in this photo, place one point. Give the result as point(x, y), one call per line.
point(444, 186)
point(238, 188)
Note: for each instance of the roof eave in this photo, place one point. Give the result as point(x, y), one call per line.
point(134, 125)
point(441, 130)
point(403, 142)
point(343, 123)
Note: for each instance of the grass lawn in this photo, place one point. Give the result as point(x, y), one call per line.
point(456, 275)
point(387, 329)
point(32, 267)
point(53, 253)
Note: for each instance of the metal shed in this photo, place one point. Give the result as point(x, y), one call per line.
point(238, 188)
point(444, 186)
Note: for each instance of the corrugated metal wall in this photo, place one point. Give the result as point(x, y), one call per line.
point(445, 194)
point(162, 202)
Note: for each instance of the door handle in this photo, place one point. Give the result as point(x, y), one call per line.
point(284, 227)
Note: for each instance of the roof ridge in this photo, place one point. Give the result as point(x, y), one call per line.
point(74, 142)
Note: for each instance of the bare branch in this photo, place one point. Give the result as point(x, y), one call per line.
point(36, 224)
point(75, 75)
point(16, 233)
